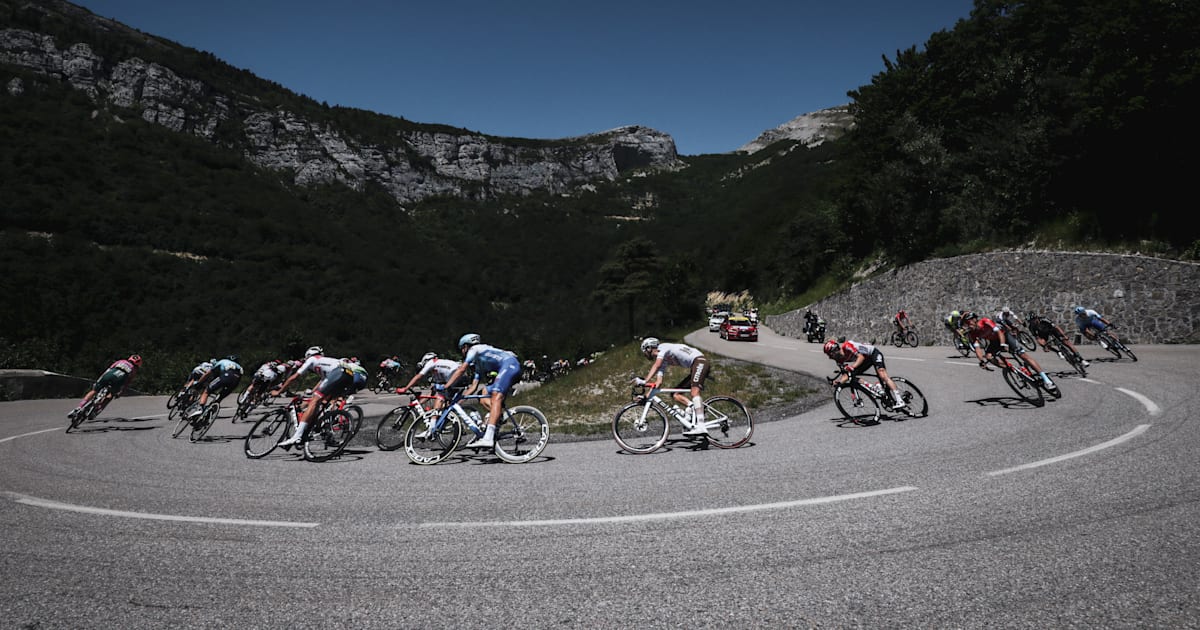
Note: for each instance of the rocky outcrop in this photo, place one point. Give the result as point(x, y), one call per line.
point(411, 165)
point(807, 129)
point(1152, 300)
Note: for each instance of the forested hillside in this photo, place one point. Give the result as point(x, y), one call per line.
point(1029, 121)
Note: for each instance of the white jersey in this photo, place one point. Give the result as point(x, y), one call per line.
point(319, 365)
point(270, 371)
point(439, 370)
point(677, 354)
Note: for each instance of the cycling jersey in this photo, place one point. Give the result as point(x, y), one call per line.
point(225, 366)
point(439, 370)
point(1089, 318)
point(1043, 329)
point(851, 349)
point(319, 365)
point(677, 354)
point(485, 359)
point(201, 370)
point(988, 332)
point(389, 365)
point(270, 371)
point(117, 377)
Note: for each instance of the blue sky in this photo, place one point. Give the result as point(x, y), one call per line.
point(712, 74)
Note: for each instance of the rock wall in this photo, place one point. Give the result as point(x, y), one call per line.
point(1149, 299)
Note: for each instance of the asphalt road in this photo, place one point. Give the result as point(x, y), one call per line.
point(987, 513)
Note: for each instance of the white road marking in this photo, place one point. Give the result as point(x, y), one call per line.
point(1140, 429)
point(975, 364)
point(55, 505)
point(662, 516)
point(1146, 402)
point(896, 358)
point(30, 433)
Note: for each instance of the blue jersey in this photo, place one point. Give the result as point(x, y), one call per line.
point(485, 359)
point(225, 366)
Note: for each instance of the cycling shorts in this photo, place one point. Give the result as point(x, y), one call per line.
point(697, 375)
point(1014, 346)
point(223, 384)
point(338, 382)
point(874, 360)
point(113, 379)
point(507, 376)
point(1094, 323)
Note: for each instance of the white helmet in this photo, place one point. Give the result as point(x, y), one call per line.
point(429, 356)
point(649, 344)
point(313, 351)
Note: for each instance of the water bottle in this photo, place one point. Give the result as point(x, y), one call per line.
point(877, 389)
point(474, 418)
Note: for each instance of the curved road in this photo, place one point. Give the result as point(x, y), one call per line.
point(1085, 512)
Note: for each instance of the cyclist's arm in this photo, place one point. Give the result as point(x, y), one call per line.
point(656, 369)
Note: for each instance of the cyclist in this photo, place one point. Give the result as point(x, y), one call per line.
point(1005, 317)
point(266, 376)
point(116, 378)
point(1090, 322)
point(684, 356)
point(337, 379)
point(438, 371)
point(995, 340)
point(954, 324)
point(1043, 329)
point(860, 357)
point(220, 379)
point(485, 359)
point(198, 372)
point(901, 321)
point(391, 366)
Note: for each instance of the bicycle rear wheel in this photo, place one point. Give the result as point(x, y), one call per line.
point(389, 434)
point(963, 347)
point(267, 433)
point(205, 421)
point(332, 434)
point(897, 338)
point(917, 407)
point(640, 434)
point(1024, 386)
point(424, 445)
point(857, 404)
point(1109, 344)
point(729, 424)
point(521, 434)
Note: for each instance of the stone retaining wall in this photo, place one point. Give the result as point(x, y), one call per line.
point(1150, 300)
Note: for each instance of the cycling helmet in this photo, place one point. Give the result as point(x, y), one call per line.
point(136, 359)
point(1079, 310)
point(232, 357)
point(467, 340)
point(429, 356)
point(649, 344)
point(313, 351)
point(955, 314)
point(969, 315)
point(831, 348)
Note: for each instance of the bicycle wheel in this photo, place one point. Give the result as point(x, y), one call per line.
point(1026, 340)
point(897, 338)
point(1074, 359)
point(639, 429)
point(1127, 351)
point(911, 338)
point(332, 434)
point(1107, 343)
point(963, 347)
point(205, 421)
point(389, 434)
point(917, 407)
point(183, 422)
point(729, 424)
point(1024, 386)
point(521, 434)
point(267, 433)
point(426, 446)
point(173, 400)
point(857, 404)
point(80, 415)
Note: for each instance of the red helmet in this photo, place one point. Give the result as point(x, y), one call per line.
point(136, 359)
point(832, 349)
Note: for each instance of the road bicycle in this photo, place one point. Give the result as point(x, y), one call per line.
point(1027, 385)
point(257, 394)
point(962, 344)
point(389, 433)
point(642, 426)
point(1055, 345)
point(521, 434)
point(1113, 344)
point(325, 439)
point(863, 398)
point(908, 337)
point(200, 424)
point(382, 384)
point(181, 400)
point(1021, 335)
point(89, 410)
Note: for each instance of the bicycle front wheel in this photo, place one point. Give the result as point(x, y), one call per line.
point(1024, 387)
point(389, 434)
point(426, 445)
point(267, 433)
point(729, 424)
point(640, 429)
point(521, 434)
point(1026, 340)
point(911, 338)
point(918, 407)
point(1127, 351)
point(857, 404)
point(332, 435)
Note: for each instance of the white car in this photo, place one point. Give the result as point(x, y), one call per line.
point(714, 322)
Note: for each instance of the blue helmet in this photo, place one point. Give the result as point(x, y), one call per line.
point(1079, 310)
point(468, 339)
